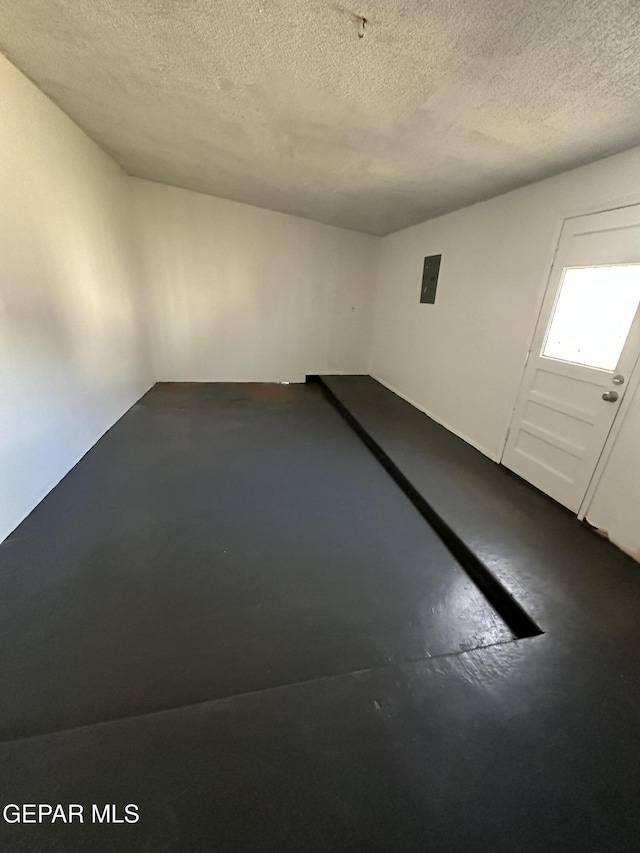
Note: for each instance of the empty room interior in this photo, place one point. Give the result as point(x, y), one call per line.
point(319, 426)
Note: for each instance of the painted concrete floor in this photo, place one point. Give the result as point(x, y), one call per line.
point(229, 615)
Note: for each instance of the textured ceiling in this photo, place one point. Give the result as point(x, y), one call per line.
point(278, 103)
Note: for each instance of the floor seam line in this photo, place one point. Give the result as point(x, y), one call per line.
point(258, 691)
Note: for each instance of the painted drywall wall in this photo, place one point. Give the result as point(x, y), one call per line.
point(72, 357)
point(236, 293)
point(461, 360)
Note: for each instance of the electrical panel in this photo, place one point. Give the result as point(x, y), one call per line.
point(430, 279)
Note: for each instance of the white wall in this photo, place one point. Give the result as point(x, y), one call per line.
point(461, 360)
point(237, 293)
point(72, 356)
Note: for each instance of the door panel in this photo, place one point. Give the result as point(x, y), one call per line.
point(588, 336)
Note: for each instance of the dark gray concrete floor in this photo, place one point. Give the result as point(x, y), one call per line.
point(220, 539)
point(240, 542)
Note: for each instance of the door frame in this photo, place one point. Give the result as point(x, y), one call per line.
point(634, 376)
point(632, 384)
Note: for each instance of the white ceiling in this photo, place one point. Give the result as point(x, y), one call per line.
point(278, 103)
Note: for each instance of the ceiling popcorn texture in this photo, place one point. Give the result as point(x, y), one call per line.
point(279, 103)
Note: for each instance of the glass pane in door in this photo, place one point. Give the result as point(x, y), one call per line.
point(593, 314)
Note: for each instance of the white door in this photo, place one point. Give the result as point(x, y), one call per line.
point(585, 346)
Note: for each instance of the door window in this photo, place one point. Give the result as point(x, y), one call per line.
point(593, 314)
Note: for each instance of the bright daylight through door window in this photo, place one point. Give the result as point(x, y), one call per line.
point(593, 315)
